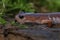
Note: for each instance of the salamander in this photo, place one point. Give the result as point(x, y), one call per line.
point(40, 18)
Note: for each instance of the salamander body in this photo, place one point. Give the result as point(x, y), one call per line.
point(40, 18)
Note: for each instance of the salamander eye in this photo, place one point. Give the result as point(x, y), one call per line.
point(21, 17)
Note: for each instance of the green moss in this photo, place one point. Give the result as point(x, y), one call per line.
point(13, 23)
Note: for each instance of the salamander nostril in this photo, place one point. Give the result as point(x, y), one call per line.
point(21, 17)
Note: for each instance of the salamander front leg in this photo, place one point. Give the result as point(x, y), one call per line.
point(49, 24)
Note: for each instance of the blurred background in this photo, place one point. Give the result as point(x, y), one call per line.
point(9, 8)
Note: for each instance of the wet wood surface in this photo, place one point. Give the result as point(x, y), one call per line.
point(34, 33)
